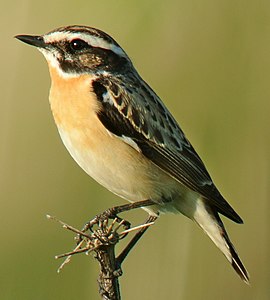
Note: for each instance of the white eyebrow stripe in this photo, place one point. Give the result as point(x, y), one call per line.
point(90, 39)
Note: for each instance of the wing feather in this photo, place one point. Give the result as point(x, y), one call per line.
point(137, 113)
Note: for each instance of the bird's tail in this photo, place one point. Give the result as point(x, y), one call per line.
point(212, 225)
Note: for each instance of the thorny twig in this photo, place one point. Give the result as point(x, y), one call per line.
point(102, 242)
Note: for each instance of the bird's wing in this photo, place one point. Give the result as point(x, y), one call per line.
point(136, 112)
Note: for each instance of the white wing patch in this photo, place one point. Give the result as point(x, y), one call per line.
point(107, 98)
point(130, 142)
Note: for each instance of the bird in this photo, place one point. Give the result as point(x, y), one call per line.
point(120, 132)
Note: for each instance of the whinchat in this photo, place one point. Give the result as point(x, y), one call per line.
point(120, 133)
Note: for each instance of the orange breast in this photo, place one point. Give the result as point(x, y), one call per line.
point(71, 98)
point(74, 107)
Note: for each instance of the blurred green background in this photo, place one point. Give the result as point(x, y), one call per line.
point(209, 61)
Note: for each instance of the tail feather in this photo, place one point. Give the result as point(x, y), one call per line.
point(237, 263)
point(209, 220)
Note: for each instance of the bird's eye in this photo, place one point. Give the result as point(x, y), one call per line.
point(77, 45)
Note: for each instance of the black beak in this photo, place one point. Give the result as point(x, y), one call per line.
point(33, 40)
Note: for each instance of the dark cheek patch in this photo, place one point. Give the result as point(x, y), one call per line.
point(90, 59)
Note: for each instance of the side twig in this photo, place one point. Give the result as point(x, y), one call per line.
point(102, 242)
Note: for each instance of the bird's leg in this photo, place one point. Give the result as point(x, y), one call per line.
point(134, 240)
point(112, 213)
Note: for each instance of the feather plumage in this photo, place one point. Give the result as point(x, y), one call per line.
point(141, 116)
